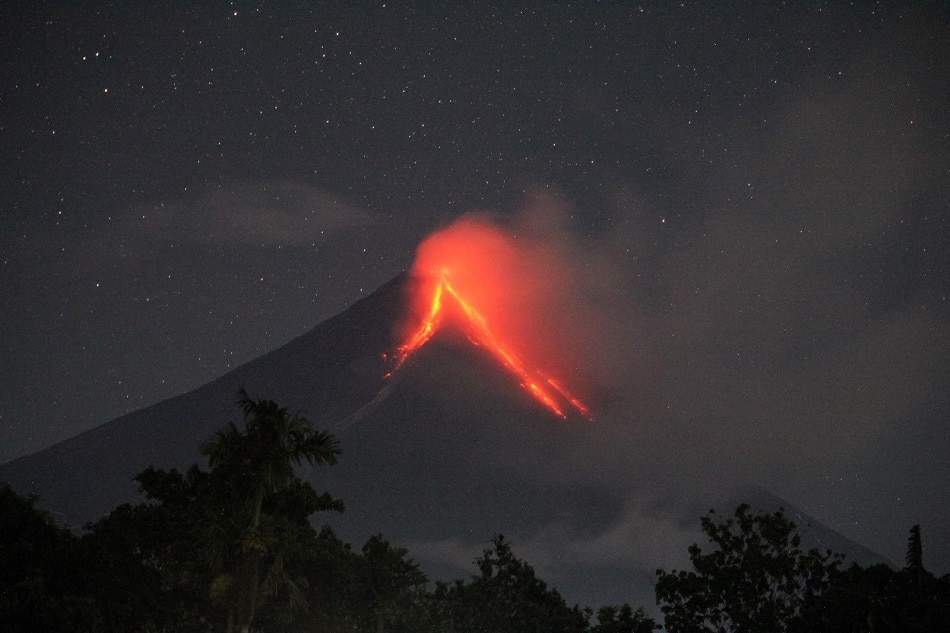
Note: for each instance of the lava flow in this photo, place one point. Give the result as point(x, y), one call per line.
point(546, 390)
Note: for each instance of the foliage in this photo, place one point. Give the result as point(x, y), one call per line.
point(122, 572)
point(915, 559)
point(256, 521)
point(388, 580)
point(506, 595)
point(41, 585)
point(623, 619)
point(234, 548)
point(165, 566)
point(880, 599)
point(220, 545)
point(755, 579)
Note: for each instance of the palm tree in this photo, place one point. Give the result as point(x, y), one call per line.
point(259, 462)
point(915, 563)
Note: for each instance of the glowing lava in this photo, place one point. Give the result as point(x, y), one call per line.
point(546, 390)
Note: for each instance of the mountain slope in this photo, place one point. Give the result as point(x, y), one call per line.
point(328, 373)
point(441, 457)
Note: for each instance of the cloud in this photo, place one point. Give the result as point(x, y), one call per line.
point(453, 554)
point(262, 215)
point(644, 537)
point(622, 556)
point(282, 214)
point(790, 333)
point(196, 284)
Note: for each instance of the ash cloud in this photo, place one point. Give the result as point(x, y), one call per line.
point(791, 334)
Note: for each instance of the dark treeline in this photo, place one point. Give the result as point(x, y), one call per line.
point(233, 548)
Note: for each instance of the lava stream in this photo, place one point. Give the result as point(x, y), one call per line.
point(534, 382)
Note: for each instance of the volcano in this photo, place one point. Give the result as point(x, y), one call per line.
point(443, 447)
point(439, 295)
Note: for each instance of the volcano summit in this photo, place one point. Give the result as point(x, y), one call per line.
point(440, 456)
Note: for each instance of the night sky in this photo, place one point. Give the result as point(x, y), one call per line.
point(758, 195)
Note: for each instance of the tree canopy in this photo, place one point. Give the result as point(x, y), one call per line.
point(235, 548)
point(755, 578)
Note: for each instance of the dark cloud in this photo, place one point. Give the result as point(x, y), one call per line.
point(792, 335)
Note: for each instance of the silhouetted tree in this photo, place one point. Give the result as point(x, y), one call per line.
point(755, 579)
point(880, 599)
point(623, 619)
point(507, 596)
point(123, 573)
point(915, 559)
point(233, 547)
point(41, 584)
point(257, 462)
point(388, 580)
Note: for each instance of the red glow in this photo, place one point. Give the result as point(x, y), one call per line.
point(467, 263)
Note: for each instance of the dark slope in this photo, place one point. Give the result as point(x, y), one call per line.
point(440, 458)
point(814, 533)
point(455, 430)
point(328, 373)
point(457, 452)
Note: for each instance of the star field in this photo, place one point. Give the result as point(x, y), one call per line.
point(187, 187)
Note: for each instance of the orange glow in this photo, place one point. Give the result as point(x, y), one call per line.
point(434, 289)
